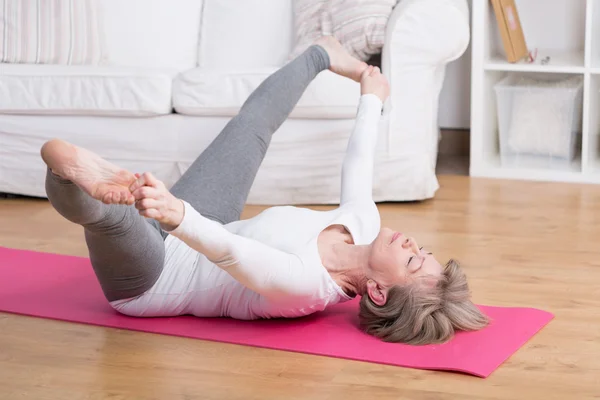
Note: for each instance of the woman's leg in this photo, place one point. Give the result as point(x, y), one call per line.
point(217, 184)
point(126, 252)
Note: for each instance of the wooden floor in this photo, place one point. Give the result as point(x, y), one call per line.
point(522, 244)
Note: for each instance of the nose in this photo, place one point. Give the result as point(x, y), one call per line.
point(411, 244)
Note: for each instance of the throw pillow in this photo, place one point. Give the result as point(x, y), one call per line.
point(64, 32)
point(359, 25)
point(308, 15)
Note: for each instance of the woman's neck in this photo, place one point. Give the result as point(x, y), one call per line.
point(347, 264)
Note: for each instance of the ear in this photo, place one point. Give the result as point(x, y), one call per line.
point(376, 293)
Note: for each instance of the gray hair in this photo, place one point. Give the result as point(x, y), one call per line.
point(416, 314)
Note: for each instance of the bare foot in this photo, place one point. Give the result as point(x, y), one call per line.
point(342, 63)
point(94, 175)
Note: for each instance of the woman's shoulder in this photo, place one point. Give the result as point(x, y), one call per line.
point(367, 220)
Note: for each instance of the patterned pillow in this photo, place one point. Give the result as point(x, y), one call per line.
point(308, 15)
point(64, 32)
point(359, 25)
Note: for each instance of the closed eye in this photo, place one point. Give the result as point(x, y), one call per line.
point(419, 266)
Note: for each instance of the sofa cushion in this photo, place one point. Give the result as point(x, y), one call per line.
point(84, 90)
point(152, 33)
point(359, 25)
point(308, 24)
point(245, 34)
point(217, 93)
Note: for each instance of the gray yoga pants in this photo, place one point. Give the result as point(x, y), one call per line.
point(127, 250)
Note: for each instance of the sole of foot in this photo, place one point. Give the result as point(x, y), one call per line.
point(341, 62)
point(97, 177)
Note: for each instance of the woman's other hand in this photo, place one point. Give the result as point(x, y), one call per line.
point(373, 82)
point(153, 200)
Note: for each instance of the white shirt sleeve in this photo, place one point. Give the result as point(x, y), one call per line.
point(275, 274)
point(357, 168)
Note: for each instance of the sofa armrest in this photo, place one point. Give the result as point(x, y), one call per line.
point(430, 32)
point(422, 37)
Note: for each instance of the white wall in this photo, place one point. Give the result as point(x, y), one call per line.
point(455, 99)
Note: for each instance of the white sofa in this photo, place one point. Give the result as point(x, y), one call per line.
point(177, 70)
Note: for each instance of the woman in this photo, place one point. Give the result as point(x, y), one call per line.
point(161, 253)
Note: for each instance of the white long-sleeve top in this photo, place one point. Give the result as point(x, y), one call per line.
point(267, 266)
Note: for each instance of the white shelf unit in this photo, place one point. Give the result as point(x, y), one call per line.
point(567, 31)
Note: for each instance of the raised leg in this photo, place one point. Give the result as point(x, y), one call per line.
point(217, 184)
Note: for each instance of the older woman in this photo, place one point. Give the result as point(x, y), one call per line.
point(165, 253)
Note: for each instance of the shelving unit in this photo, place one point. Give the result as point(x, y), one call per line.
point(567, 31)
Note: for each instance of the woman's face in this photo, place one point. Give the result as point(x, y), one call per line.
point(396, 259)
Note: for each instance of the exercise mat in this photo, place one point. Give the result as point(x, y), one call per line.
point(64, 288)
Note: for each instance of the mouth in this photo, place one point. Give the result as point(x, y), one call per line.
point(395, 236)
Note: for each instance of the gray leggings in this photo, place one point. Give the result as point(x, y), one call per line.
point(126, 250)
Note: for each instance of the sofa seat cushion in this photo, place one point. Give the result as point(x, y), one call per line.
point(84, 90)
point(204, 92)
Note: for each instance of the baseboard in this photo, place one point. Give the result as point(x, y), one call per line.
point(454, 142)
point(453, 152)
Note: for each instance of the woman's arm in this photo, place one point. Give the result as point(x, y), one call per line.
point(270, 272)
point(357, 169)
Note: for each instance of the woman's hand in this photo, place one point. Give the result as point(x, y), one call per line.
point(153, 200)
point(373, 82)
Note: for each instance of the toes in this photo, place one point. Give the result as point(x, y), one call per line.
point(128, 199)
point(122, 197)
point(107, 198)
point(113, 198)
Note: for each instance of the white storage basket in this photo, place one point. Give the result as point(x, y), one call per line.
point(539, 121)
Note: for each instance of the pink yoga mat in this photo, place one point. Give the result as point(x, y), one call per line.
point(65, 288)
